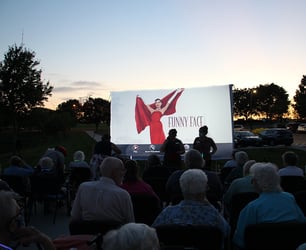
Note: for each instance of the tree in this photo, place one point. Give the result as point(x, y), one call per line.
point(244, 102)
point(97, 110)
point(300, 99)
point(272, 101)
point(71, 106)
point(21, 87)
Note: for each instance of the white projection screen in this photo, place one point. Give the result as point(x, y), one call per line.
point(135, 130)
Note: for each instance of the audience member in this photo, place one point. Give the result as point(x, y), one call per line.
point(172, 148)
point(241, 158)
point(4, 186)
point(240, 185)
point(57, 155)
point(194, 209)
point(132, 182)
point(272, 206)
point(18, 167)
point(11, 230)
point(132, 236)
point(104, 199)
point(102, 149)
point(290, 161)
point(232, 163)
point(205, 145)
point(156, 176)
point(193, 159)
point(78, 160)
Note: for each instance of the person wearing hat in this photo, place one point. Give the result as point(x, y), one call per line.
point(205, 145)
point(172, 148)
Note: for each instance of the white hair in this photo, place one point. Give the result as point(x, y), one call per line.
point(46, 163)
point(266, 176)
point(193, 181)
point(79, 155)
point(131, 236)
point(241, 158)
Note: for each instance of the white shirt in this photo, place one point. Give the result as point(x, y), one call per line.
point(102, 200)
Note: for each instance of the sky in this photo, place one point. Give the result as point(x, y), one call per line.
point(90, 48)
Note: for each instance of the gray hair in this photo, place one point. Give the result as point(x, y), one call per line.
point(266, 177)
point(109, 164)
point(241, 158)
point(79, 155)
point(131, 236)
point(193, 181)
point(247, 166)
point(7, 205)
point(193, 159)
point(46, 163)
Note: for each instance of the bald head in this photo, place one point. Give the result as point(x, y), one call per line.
point(112, 167)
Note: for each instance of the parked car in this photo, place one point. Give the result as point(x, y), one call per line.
point(276, 136)
point(301, 128)
point(246, 138)
point(238, 127)
point(292, 126)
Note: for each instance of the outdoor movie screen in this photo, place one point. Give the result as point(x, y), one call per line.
point(139, 131)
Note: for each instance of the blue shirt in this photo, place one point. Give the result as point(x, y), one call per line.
point(269, 207)
point(18, 171)
point(189, 212)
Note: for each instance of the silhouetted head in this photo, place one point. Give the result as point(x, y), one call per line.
point(203, 130)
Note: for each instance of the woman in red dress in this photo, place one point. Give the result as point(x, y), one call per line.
point(150, 115)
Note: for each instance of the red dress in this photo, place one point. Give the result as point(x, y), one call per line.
point(157, 134)
point(144, 118)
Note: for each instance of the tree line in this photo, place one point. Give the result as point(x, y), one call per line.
point(23, 93)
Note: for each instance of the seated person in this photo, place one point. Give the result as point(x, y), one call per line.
point(290, 161)
point(195, 209)
point(240, 185)
point(58, 154)
point(18, 167)
point(132, 182)
point(131, 236)
point(11, 230)
point(78, 160)
point(194, 160)
point(272, 206)
point(104, 199)
point(156, 176)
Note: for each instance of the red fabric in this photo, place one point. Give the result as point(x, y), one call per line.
point(144, 118)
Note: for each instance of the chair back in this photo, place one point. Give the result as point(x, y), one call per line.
point(190, 237)
point(293, 184)
point(146, 208)
point(267, 236)
point(300, 198)
point(92, 227)
point(239, 201)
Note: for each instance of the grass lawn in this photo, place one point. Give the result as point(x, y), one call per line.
point(34, 144)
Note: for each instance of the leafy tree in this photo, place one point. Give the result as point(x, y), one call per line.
point(97, 110)
point(300, 99)
point(272, 101)
point(21, 87)
point(71, 106)
point(244, 102)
